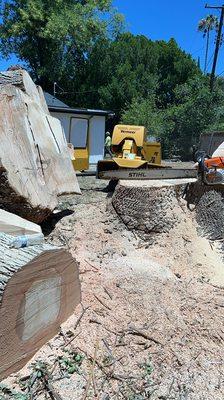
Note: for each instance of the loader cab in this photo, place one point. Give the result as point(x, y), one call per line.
point(130, 151)
point(137, 134)
point(127, 142)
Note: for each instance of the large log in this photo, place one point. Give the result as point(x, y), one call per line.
point(22, 80)
point(39, 289)
point(35, 162)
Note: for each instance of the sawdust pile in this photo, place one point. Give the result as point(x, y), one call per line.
point(152, 325)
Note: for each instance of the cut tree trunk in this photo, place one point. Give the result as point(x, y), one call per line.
point(149, 208)
point(39, 289)
point(208, 204)
point(155, 207)
point(35, 163)
point(22, 80)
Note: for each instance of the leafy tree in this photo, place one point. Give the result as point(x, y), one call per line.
point(47, 34)
point(179, 125)
point(120, 70)
point(174, 68)
point(144, 112)
point(132, 67)
point(195, 109)
point(206, 25)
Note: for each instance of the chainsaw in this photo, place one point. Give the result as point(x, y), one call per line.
point(210, 169)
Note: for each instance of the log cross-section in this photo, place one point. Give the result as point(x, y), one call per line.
point(39, 289)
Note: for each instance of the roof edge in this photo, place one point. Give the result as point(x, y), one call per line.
point(81, 111)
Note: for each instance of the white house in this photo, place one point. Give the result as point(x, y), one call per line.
point(81, 125)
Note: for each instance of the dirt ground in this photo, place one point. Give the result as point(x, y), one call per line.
point(151, 321)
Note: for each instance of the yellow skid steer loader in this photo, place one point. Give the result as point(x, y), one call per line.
point(136, 158)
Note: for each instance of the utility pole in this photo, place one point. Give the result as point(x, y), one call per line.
point(218, 43)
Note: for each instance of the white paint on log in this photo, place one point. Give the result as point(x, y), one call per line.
point(42, 305)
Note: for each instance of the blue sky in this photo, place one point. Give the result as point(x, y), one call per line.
point(163, 19)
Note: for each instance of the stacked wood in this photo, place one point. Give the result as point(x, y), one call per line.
point(39, 289)
point(35, 164)
point(16, 226)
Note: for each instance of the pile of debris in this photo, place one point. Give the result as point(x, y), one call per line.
point(39, 283)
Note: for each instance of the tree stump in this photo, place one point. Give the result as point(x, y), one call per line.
point(39, 289)
point(208, 203)
point(150, 208)
point(155, 207)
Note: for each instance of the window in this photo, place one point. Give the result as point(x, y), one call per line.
point(78, 132)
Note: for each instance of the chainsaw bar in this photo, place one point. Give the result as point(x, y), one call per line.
point(147, 174)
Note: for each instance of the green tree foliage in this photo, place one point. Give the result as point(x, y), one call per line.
point(134, 66)
point(80, 45)
point(120, 70)
point(194, 110)
point(144, 112)
point(180, 124)
point(48, 34)
point(174, 68)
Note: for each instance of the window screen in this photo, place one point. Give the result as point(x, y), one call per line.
point(78, 132)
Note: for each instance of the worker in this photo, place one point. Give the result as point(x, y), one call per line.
point(107, 145)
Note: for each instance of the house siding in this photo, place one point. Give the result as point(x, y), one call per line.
point(96, 132)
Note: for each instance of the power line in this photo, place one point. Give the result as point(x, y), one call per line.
point(63, 92)
point(210, 60)
point(85, 91)
point(197, 51)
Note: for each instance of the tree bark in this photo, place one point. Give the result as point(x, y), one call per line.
point(149, 208)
